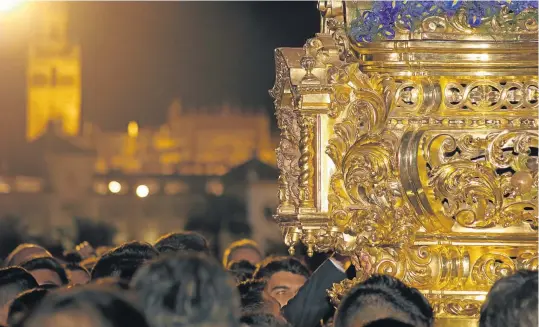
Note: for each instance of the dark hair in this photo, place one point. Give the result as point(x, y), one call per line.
point(105, 307)
point(241, 270)
point(72, 257)
point(47, 263)
point(251, 295)
point(262, 320)
point(182, 241)
point(272, 265)
point(123, 260)
point(241, 244)
point(388, 323)
point(512, 302)
point(188, 289)
point(14, 280)
point(385, 293)
point(75, 266)
point(24, 304)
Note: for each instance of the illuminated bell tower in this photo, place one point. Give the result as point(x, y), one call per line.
point(53, 73)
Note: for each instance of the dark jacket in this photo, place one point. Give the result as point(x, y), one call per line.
point(312, 304)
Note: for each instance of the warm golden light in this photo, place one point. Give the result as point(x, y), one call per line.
point(142, 191)
point(132, 129)
point(8, 5)
point(115, 187)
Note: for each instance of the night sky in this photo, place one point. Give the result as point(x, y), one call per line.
point(138, 56)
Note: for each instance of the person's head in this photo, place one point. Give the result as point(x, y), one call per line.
point(512, 302)
point(262, 320)
point(383, 297)
point(24, 252)
point(245, 249)
point(182, 242)
point(24, 304)
point(284, 277)
point(46, 270)
point(188, 289)
point(388, 323)
point(88, 306)
point(241, 270)
point(254, 299)
point(77, 274)
point(13, 280)
point(124, 260)
point(72, 257)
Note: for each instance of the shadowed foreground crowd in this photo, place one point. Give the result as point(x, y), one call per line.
point(175, 282)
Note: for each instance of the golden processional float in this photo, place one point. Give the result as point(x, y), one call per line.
point(409, 141)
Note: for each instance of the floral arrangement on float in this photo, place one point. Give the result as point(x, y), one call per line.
point(389, 20)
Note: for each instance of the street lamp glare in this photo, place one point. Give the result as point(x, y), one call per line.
point(8, 5)
point(142, 191)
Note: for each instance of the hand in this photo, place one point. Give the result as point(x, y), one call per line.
point(345, 261)
point(85, 250)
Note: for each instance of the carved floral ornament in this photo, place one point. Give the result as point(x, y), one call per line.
point(431, 178)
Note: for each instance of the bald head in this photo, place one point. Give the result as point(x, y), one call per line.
point(24, 252)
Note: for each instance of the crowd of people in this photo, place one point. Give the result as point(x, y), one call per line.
point(177, 282)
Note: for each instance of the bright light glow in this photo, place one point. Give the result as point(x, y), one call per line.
point(132, 128)
point(8, 5)
point(142, 191)
point(115, 187)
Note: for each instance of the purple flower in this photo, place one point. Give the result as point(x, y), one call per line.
point(388, 11)
point(450, 7)
point(364, 26)
point(519, 6)
point(479, 9)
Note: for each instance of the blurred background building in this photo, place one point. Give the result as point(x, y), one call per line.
point(146, 180)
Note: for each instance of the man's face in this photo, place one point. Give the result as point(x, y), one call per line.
point(284, 285)
point(78, 277)
point(246, 254)
point(46, 276)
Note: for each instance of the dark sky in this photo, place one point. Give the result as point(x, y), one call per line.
point(138, 56)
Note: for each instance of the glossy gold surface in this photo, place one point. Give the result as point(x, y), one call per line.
point(416, 156)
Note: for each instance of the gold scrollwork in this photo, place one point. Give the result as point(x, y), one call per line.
point(527, 260)
point(288, 150)
point(484, 181)
point(487, 95)
point(423, 96)
point(365, 195)
point(502, 25)
point(490, 267)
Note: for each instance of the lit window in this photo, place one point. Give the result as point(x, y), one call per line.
point(27, 185)
point(115, 187)
point(142, 191)
point(100, 188)
point(176, 188)
point(4, 188)
point(215, 187)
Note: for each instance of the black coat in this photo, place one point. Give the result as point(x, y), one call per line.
point(312, 304)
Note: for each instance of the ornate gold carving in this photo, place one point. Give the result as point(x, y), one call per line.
point(288, 150)
point(484, 181)
point(365, 197)
point(306, 164)
point(485, 95)
point(423, 164)
point(502, 26)
point(490, 267)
